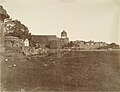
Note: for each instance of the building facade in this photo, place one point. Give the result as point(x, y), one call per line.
point(87, 45)
point(50, 41)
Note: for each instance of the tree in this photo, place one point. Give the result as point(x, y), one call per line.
point(17, 29)
point(113, 46)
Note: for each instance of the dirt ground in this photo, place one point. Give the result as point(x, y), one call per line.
point(75, 71)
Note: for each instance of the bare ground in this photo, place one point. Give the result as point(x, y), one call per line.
point(75, 71)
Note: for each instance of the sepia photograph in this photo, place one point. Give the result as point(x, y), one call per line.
point(59, 45)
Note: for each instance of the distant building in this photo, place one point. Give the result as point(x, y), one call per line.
point(26, 42)
point(89, 44)
point(64, 37)
point(63, 34)
point(50, 41)
point(42, 40)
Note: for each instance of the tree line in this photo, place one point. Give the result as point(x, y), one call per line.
point(17, 29)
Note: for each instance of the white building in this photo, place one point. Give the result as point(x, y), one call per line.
point(26, 42)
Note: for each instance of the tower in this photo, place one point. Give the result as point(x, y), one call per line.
point(64, 37)
point(63, 34)
point(3, 15)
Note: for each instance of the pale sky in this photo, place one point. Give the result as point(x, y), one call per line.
point(96, 20)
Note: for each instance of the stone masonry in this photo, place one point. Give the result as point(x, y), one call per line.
point(3, 15)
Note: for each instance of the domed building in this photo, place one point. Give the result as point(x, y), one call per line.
point(51, 41)
point(64, 37)
point(63, 34)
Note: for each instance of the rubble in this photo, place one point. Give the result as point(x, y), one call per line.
point(6, 60)
point(14, 65)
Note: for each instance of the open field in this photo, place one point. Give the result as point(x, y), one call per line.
point(75, 71)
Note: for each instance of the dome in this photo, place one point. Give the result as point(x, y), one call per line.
point(63, 33)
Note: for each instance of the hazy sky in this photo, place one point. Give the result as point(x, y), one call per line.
point(83, 19)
